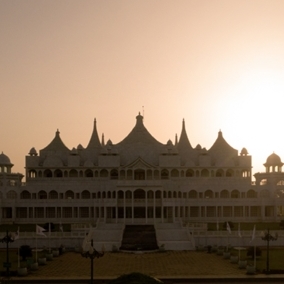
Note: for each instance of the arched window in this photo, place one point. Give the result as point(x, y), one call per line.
point(209, 194)
point(113, 174)
point(189, 173)
point(175, 173)
point(235, 194)
point(205, 173)
point(47, 173)
point(58, 173)
point(89, 173)
point(120, 194)
point(122, 174)
point(73, 173)
point(150, 194)
point(192, 194)
point(53, 194)
point(251, 194)
point(128, 194)
point(219, 173)
point(158, 194)
point(164, 174)
point(156, 174)
point(86, 194)
point(11, 194)
point(229, 173)
point(104, 173)
point(42, 194)
point(139, 194)
point(149, 174)
point(69, 194)
point(25, 195)
point(224, 194)
point(139, 174)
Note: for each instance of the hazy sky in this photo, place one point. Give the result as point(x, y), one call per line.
point(217, 64)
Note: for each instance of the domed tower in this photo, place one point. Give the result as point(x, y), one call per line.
point(7, 178)
point(273, 164)
point(5, 164)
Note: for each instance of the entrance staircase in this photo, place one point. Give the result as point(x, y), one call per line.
point(139, 237)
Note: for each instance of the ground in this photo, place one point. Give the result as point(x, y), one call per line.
point(112, 265)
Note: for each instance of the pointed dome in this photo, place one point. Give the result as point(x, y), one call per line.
point(94, 141)
point(55, 146)
point(184, 147)
point(4, 160)
point(183, 140)
point(222, 152)
point(139, 143)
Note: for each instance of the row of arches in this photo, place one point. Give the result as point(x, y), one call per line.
point(137, 194)
point(137, 174)
point(143, 194)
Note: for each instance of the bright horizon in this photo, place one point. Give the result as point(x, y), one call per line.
point(217, 64)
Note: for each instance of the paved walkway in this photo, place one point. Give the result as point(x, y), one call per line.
point(184, 264)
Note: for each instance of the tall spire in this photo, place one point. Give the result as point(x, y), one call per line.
point(176, 140)
point(94, 141)
point(103, 140)
point(183, 140)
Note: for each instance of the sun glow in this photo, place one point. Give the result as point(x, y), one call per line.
point(254, 109)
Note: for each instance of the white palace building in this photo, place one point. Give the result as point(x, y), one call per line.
point(140, 181)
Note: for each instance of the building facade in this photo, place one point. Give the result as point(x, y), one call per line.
point(140, 181)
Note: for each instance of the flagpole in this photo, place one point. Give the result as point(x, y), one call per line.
point(18, 256)
point(239, 242)
point(254, 256)
point(49, 237)
point(36, 245)
point(218, 242)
